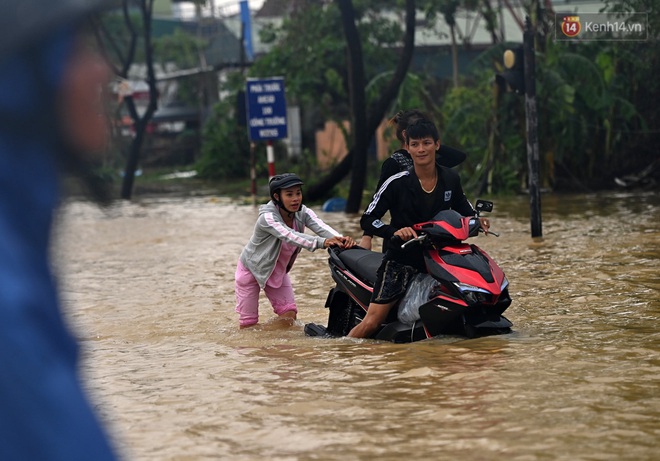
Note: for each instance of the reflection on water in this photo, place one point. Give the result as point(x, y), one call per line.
point(148, 288)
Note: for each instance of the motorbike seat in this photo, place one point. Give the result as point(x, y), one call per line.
point(363, 263)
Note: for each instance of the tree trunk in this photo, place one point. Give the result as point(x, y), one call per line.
point(132, 162)
point(372, 118)
point(357, 94)
point(140, 123)
point(454, 55)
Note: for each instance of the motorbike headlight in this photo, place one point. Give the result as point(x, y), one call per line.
point(474, 294)
point(463, 287)
point(505, 283)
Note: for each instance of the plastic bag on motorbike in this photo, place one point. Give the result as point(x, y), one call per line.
point(418, 294)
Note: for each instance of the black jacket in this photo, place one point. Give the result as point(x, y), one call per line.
point(401, 160)
point(402, 195)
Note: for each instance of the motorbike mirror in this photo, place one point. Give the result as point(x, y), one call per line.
point(484, 206)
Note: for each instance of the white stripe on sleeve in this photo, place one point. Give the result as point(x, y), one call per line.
point(380, 191)
point(288, 233)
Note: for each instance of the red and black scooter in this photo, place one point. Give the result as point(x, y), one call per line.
point(464, 293)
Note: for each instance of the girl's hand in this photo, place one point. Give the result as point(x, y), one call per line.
point(333, 242)
point(343, 242)
point(348, 242)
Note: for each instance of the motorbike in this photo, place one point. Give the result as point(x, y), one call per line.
point(463, 293)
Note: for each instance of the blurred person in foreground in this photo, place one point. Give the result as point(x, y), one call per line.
point(50, 119)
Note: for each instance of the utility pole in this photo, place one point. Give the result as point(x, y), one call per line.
point(532, 129)
point(519, 76)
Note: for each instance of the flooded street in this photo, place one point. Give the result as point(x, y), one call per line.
point(148, 290)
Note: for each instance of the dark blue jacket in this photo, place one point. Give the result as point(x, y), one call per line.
point(44, 413)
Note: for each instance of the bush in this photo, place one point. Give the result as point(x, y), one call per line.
point(225, 146)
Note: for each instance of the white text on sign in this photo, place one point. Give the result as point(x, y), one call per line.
point(270, 87)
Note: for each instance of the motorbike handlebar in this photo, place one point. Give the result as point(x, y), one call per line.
point(496, 234)
point(416, 239)
point(396, 240)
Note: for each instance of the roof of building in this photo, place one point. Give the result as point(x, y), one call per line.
point(275, 9)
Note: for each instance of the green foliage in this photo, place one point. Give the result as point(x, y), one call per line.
point(591, 102)
point(468, 121)
point(181, 49)
point(414, 92)
point(589, 115)
point(308, 53)
point(466, 118)
point(115, 36)
point(596, 101)
point(226, 149)
point(309, 50)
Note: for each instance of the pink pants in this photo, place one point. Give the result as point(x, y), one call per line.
point(247, 296)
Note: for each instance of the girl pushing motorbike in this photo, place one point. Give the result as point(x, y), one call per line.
point(277, 239)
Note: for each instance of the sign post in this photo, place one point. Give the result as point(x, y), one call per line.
point(266, 114)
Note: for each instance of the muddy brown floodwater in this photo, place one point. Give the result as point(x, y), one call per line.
point(148, 290)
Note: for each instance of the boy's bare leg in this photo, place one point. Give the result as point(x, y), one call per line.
point(376, 315)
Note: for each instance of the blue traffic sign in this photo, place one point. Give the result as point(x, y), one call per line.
point(266, 108)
